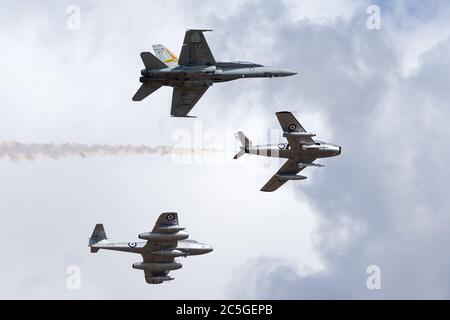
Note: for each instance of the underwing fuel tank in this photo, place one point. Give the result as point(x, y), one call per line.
point(307, 164)
point(290, 177)
point(159, 279)
point(180, 235)
point(155, 267)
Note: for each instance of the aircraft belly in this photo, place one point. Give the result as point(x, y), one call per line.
point(271, 152)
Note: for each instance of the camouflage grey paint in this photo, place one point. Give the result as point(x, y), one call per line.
point(194, 72)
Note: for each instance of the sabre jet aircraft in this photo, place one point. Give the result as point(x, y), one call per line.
point(301, 150)
point(165, 242)
point(194, 72)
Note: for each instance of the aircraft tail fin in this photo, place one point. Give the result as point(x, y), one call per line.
point(152, 62)
point(245, 144)
point(165, 55)
point(98, 235)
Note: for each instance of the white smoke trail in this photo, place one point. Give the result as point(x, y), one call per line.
point(16, 151)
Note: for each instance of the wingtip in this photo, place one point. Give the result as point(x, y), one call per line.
point(175, 116)
point(283, 112)
point(202, 30)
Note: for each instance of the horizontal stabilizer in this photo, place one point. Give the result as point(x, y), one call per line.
point(144, 91)
point(152, 62)
point(239, 154)
point(245, 144)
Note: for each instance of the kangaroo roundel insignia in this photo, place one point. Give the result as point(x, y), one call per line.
point(281, 146)
point(132, 244)
point(292, 127)
point(170, 217)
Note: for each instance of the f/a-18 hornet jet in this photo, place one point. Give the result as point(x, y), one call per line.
point(194, 72)
point(301, 151)
point(165, 242)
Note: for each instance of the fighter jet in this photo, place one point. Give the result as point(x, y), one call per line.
point(194, 72)
point(301, 151)
point(163, 244)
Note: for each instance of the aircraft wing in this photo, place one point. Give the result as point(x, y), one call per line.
point(290, 124)
point(291, 167)
point(195, 50)
point(185, 98)
point(167, 219)
point(153, 276)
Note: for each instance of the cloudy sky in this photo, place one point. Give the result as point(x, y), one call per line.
point(381, 94)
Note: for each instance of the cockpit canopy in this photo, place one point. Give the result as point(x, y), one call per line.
point(243, 62)
point(190, 241)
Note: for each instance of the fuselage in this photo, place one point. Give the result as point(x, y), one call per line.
point(207, 75)
point(184, 248)
point(283, 150)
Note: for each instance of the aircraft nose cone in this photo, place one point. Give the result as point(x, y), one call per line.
point(208, 249)
point(340, 149)
point(287, 72)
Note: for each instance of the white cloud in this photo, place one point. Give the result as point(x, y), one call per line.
point(382, 201)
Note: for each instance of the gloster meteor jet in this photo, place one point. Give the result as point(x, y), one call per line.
point(301, 151)
point(194, 72)
point(163, 244)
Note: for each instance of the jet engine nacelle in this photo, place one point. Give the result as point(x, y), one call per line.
point(170, 229)
point(196, 83)
point(196, 71)
point(155, 267)
point(181, 235)
point(310, 147)
point(151, 73)
point(169, 253)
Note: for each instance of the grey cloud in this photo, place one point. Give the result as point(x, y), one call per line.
point(383, 201)
point(390, 182)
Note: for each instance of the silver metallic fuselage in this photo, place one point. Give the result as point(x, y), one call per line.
point(284, 150)
point(207, 75)
point(184, 248)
